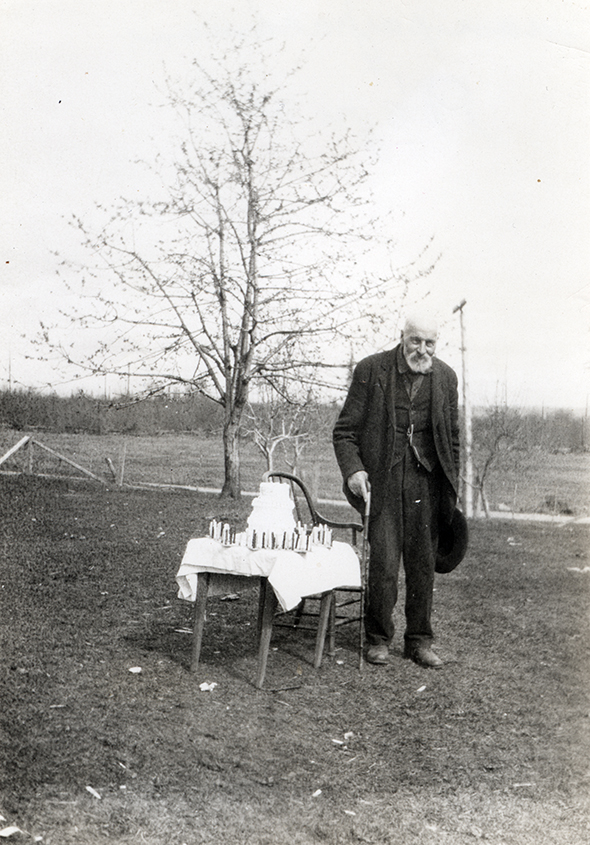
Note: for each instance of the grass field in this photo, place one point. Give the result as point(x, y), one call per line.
point(493, 748)
point(197, 460)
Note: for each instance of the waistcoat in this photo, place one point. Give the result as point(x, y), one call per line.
point(413, 424)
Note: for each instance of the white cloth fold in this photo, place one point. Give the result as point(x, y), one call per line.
point(292, 575)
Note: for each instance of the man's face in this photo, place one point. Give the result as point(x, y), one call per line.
point(418, 346)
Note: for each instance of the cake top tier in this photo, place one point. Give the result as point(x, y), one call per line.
point(275, 491)
point(272, 510)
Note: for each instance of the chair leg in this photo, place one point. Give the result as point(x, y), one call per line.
point(268, 603)
point(199, 618)
point(332, 627)
point(325, 605)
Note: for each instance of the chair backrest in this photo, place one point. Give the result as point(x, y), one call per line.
point(314, 515)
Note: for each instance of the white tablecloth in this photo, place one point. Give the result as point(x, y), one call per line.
point(292, 575)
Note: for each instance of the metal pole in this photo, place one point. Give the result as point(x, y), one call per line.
point(467, 491)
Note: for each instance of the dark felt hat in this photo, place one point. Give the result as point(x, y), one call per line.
point(453, 540)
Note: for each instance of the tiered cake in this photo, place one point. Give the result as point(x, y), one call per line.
point(271, 525)
point(272, 510)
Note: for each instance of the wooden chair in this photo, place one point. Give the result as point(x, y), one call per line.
point(324, 613)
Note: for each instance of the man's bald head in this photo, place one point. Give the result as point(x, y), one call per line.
point(423, 321)
point(419, 338)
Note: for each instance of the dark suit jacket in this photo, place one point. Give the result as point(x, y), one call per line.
point(365, 430)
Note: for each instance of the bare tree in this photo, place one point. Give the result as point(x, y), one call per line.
point(275, 422)
point(294, 453)
point(247, 268)
point(497, 435)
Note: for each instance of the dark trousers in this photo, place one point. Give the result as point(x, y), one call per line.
point(405, 529)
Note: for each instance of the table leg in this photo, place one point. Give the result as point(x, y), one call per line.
point(199, 617)
point(268, 604)
point(261, 598)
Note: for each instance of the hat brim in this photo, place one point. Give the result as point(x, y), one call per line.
point(453, 540)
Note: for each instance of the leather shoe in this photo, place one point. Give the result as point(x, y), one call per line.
point(423, 656)
point(378, 653)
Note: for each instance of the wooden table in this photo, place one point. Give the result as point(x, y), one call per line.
point(283, 577)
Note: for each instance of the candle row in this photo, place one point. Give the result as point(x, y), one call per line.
point(301, 539)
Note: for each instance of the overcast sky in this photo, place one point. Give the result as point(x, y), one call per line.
point(483, 111)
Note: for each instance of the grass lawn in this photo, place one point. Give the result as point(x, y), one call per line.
point(495, 747)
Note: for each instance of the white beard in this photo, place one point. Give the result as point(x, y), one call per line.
point(419, 365)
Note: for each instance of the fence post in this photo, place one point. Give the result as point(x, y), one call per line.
point(123, 463)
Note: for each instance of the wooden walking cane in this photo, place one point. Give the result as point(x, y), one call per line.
point(364, 580)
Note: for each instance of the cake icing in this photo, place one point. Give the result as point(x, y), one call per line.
point(272, 509)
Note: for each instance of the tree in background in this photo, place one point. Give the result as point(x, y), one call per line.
point(273, 422)
point(251, 270)
point(282, 429)
point(497, 440)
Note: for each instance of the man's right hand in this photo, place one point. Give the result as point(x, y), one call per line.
point(358, 484)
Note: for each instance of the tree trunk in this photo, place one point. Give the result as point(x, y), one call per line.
point(481, 504)
point(231, 456)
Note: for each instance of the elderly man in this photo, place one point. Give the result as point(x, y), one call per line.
point(397, 436)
